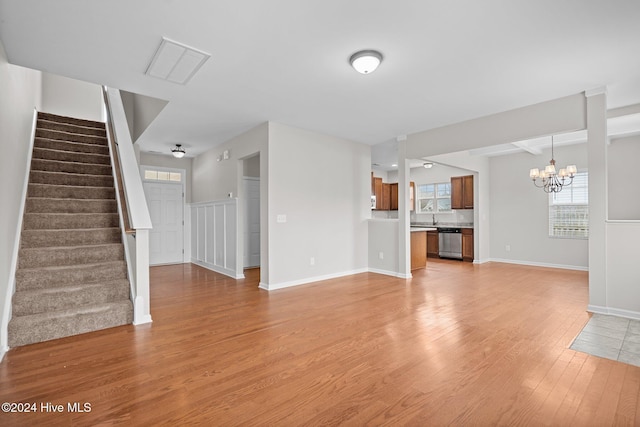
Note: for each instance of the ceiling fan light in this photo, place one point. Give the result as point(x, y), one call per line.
point(366, 61)
point(178, 152)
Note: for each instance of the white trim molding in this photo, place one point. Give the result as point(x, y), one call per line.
point(628, 314)
point(307, 280)
point(391, 273)
point(540, 264)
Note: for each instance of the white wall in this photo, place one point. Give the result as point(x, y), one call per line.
point(72, 98)
point(323, 186)
point(20, 90)
point(520, 211)
point(623, 156)
point(384, 238)
point(213, 179)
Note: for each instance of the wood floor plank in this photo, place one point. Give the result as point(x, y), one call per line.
point(459, 344)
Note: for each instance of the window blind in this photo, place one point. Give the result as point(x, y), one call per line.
point(569, 209)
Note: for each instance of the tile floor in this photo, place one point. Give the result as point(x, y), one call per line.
point(610, 337)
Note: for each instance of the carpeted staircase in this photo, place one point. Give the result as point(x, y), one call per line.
point(71, 276)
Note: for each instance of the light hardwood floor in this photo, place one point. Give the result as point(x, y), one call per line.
point(459, 344)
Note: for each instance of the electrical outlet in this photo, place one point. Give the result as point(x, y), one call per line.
point(507, 248)
point(381, 255)
point(312, 261)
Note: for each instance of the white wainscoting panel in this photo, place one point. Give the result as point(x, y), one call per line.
point(214, 231)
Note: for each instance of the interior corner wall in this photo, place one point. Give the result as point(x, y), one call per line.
point(21, 92)
point(213, 179)
point(70, 97)
point(520, 212)
point(322, 185)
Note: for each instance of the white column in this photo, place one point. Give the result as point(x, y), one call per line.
point(404, 233)
point(597, 164)
point(142, 309)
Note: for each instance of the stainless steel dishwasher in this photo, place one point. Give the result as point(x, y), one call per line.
point(449, 242)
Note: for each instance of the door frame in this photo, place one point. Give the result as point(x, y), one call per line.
point(186, 219)
point(245, 217)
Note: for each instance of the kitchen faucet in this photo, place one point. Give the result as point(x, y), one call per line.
point(433, 219)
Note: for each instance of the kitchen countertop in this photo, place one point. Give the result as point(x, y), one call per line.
point(414, 229)
point(441, 225)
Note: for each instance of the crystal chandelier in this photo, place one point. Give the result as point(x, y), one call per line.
point(548, 179)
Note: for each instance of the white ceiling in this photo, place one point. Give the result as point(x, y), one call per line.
point(287, 60)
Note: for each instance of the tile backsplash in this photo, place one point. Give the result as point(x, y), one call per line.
point(457, 216)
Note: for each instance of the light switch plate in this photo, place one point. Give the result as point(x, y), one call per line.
point(281, 218)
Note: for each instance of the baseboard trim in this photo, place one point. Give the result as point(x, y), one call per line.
point(282, 285)
point(391, 273)
point(540, 264)
point(221, 270)
point(3, 351)
point(619, 312)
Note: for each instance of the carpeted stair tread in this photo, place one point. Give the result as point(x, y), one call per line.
point(49, 205)
point(69, 255)
point(65, 237)
point(64, 178)
point(71, 120)
point(34, 328)
point(48, 221)
point(71, 296)
point(68, 136)
point(77, 147)
point(70, 156)
point(70, 167)
point(70, 191)
point(71, 128)
point(44, 277)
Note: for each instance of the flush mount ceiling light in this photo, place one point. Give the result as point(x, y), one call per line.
point(176, 62)
point(427, 165)
point(178, 152)
point(550, 181)
point(366, 61)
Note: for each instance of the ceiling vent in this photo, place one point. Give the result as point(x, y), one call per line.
point(176, 62)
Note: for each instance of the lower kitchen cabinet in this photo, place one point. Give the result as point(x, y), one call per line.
point(418, 249)
point(432, 244)
point(467, 244)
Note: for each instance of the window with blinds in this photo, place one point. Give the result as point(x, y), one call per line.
point(433, 198)
point(569, 209)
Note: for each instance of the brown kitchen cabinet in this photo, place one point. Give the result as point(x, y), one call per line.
point(394, 196)
point(462, 192)
point(412, 196)
point(387, 194)
point(467, 244)
point(418, 249)
point(386, 197)
point(433, 248)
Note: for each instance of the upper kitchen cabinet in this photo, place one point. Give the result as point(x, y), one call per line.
point(386, 197)
point(376, 190)
point(462, 192)
point(394, 196)
point(387, 194)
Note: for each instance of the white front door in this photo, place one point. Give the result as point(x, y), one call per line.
point(252, 222)
point(166, 207)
